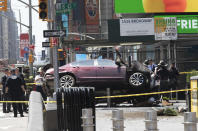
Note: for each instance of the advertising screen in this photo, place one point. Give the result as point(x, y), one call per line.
point(155, 6)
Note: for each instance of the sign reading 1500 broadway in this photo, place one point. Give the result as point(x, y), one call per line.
point(165, 28)
point(136, 27)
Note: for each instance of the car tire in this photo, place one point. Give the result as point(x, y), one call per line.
point(137, 79)
point(67, 81)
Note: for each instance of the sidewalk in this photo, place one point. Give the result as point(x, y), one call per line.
point(9, 123)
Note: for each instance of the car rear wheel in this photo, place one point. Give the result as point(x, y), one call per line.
point(67, 81)
point(136, 79)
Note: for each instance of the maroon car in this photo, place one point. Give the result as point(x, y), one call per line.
point(95, 72)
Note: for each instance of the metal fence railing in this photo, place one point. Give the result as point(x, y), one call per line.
point(70, 103)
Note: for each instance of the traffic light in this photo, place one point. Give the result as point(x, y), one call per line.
point(60, 54)
point(43, 9)
point(3, 5)
point(65, 54)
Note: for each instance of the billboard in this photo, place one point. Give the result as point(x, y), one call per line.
point(136, 27)
point(155, 6)
point(24, 45)
point(165, 28)
point(185, 24)
point(92, 16)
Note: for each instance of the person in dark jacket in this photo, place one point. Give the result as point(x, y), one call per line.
point(6, 96)
point(21, 76)
point(15, 88)
point(174, 73)
point(163, 75)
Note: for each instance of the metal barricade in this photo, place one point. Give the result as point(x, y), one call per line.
point(70, 103)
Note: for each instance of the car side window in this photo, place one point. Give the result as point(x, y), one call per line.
point(74, 64)
point(86, 63)
point(106, 63)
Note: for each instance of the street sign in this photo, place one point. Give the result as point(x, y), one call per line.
point(54, 33)
point(45, 44)
point(67, 6)
point(54, 41)
point(62, 11)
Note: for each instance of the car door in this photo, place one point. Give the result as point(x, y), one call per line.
point(86, 71)
point(107, 70)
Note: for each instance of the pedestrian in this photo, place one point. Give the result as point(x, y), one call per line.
point(39, 80)
point(151, 65)
point(119, 61)
point(6, 96)
point(174, 73)
point(15, 88)
point(21, 76)
point(163, 76)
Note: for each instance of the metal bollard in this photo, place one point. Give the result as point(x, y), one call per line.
point(87, 120)
point(118, 120)
point(151, 121)
point(108, 99)
point(190, 121)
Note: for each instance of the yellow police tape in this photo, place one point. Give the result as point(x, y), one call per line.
point(144, 94)
point(187, 72)
point(117, 96)
point(31, 83)
point(25, 101)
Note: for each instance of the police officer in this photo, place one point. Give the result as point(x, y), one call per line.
point(21, 76)
point(174, 73)
point(6, 96)
point(15, 88)
point(163, 75)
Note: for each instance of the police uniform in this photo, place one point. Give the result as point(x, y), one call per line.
point(14, 85)
point(6, 96)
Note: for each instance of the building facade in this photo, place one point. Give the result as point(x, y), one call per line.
point(8, 36)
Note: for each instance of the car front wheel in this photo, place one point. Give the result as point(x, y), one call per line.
point(67, 81)
point(136, 79)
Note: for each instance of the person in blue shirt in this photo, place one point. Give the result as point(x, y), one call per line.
point(151, 65)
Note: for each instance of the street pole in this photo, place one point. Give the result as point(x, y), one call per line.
point(30, 36)
point(55, 58)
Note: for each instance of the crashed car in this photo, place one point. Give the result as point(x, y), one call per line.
point(102, 74)
point(98, 71)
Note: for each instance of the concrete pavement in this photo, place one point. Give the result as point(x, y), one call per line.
point(9, 123)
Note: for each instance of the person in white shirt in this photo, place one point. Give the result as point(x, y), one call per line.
point(39, 83)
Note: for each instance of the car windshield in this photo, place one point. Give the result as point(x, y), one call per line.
point(104, 62)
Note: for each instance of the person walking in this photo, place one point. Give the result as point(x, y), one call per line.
point(6, 96)
point(23, 98)
point(40, 83)
point(15, 88)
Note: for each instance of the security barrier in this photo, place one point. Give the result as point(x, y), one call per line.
point(35, 119)
point(70, 103)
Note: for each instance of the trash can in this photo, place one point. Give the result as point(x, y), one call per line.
point(194, 94)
